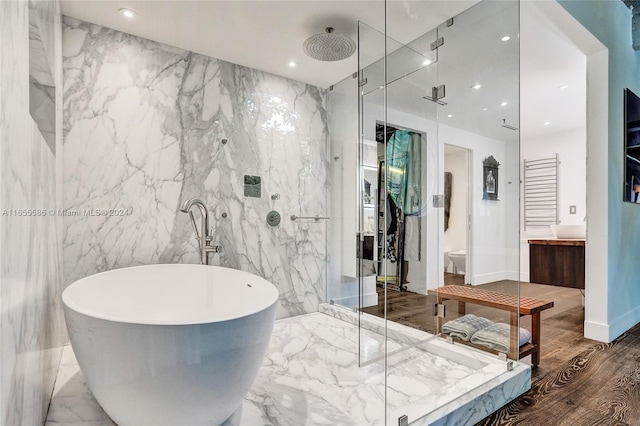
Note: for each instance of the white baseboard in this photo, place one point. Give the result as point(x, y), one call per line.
point(369, 299)
point(596, 331)
point(608, 332)
point(512, 275)
point(495, 276)
point(622, 323)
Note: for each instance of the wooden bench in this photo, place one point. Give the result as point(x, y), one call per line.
point(507, 302)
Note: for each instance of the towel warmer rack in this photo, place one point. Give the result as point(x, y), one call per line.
point(541, 192)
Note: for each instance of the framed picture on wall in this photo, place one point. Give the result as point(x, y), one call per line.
point(631, 147)
point(490, 178)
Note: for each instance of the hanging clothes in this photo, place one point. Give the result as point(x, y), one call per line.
point(404, 171)
point(392, 228)
point(404, 187)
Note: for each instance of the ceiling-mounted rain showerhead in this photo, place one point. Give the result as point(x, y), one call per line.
point(329, 46)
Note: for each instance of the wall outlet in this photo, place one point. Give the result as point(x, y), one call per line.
point(572, 209)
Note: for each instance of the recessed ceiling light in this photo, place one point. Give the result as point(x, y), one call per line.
point(485, 109)
point(450, 115)
point(292, 64)
point(505, 38)
point(127, 13)
point(427, 62)
point(546, 123)
point(503, 104)
point(564, 86)
point(476, 86)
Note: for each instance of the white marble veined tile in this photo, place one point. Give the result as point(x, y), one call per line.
point(31, 323)
point(72, 402)
point(143, 129)
point(310, 376)
point(394, 331)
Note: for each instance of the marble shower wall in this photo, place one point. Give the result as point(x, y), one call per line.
point(31, 322)
point(144, 124)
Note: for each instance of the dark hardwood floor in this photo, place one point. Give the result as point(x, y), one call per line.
point(598, 386)
point(579, 382)
point(562, 326)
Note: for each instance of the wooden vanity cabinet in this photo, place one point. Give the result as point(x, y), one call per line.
point(557, 262)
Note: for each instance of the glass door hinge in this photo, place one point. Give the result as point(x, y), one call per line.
point(439, 42)
point(438, 310)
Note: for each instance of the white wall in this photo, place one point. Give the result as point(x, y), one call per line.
point(495, 236)
point(571, 146)
point(613, 298)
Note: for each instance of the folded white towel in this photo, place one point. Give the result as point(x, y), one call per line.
point(496, 337)
point(465, 326)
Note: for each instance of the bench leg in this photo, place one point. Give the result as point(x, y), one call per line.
point(535, 337)
point(514, 347)
point(462, 307)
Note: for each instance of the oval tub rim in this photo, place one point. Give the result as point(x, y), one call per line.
point(111, 318)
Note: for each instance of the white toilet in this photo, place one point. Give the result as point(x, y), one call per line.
point(459, 259)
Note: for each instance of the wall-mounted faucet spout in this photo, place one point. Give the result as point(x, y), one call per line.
point(204, 236)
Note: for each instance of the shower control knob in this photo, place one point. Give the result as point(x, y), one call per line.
point(273, 218)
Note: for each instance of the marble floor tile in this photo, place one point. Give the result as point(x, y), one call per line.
point(72, 402)
point(310, 376)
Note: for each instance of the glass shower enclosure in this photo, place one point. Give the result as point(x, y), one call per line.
point(436, 177)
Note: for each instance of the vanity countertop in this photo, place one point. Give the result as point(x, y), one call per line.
point(557, 242)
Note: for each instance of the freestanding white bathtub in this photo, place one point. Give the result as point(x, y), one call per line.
point(170, 344)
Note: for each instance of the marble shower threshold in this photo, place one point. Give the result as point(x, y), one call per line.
point(310, 376)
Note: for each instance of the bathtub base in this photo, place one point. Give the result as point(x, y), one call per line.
point(235, 419)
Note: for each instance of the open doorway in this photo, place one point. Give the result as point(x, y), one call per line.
point(457, 248)
point(561, 78)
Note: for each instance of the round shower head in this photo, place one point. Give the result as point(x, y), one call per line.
point(329, 46)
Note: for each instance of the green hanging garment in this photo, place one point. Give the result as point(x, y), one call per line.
point(404, 171)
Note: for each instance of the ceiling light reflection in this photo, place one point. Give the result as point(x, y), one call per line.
point(127, 13)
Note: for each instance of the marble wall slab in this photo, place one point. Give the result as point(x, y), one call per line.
point(31, 322)
point(144, 124)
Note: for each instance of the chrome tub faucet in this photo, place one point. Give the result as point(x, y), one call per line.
point(204, 237)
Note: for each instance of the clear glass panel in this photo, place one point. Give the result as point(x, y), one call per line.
point(371, 107)
point(479, 66)
point(411, 151)
point(465, 108)
point(383, 223)
point(342, 108)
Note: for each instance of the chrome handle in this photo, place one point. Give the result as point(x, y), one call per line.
point(316, 217)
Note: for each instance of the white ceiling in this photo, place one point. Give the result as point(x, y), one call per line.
point(266, 35)
point(548, 60)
